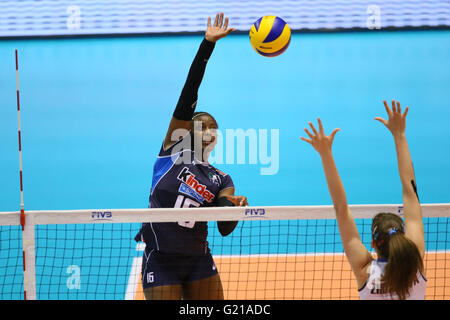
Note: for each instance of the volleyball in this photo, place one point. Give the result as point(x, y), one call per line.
point(270, 36)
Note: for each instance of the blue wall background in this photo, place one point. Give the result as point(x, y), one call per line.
point(94, 112)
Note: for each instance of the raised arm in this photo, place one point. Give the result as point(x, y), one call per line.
point(357, 254)
point(396, 124)
point(187, 102)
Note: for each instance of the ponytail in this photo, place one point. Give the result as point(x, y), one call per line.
point(403, 257)
point(404, 261)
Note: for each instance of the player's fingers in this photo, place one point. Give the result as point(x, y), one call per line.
point(216, 20)
point(220, 20)
point(399, 109)
point(308, 133)
point(238, 201)
point(381, 120)
point(313, 129)
point(225, 26)
point(393, 106)
point(306, 140)
point(209, 22)
point(334, 133)
point(320, 126)
point(230, 30)
point(388, 110)
point(406, 112)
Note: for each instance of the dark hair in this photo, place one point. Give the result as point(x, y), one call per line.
point(204, 113)
point(404, 259)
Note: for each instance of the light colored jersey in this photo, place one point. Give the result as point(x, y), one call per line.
point(371, 289)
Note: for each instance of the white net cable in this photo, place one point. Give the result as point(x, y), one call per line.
point(275, 252)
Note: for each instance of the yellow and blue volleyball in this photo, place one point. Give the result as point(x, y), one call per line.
point(270, 36)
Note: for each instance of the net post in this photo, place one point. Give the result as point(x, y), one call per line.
point(29, 256)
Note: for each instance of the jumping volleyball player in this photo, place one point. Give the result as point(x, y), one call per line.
point(177, 263)
point(400, 247)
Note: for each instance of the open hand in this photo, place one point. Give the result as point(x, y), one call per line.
point(319, 140)
point(397, 121)
point(219, 29)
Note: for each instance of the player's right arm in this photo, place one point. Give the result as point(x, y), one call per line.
point(396, 124)
point(187, 102)
point(357, 254)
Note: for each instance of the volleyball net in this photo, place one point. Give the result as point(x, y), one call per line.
point(286, 252)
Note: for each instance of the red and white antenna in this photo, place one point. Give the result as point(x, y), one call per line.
point(28, 232)
point(22, 211)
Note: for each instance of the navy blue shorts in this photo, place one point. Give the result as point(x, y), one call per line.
point(162, 269)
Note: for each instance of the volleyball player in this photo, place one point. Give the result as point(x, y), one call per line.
point(397, 273)
point(177, 263)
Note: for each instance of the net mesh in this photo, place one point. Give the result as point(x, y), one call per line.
point(84, 261)
point(11, 263)
point(261, 259)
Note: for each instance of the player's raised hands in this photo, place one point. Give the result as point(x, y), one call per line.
point(318, 139)
point(219, 29)
point(396, 123)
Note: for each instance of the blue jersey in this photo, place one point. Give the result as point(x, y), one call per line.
point(181, 181)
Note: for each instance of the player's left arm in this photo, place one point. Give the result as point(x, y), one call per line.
point(227, 198)
point(239, 201)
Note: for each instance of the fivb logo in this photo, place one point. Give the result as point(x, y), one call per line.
point(254, 213)
point(101, 215)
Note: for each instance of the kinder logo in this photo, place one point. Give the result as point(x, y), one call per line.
point(101, 215)
point(255, 213)
point(189, 179)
